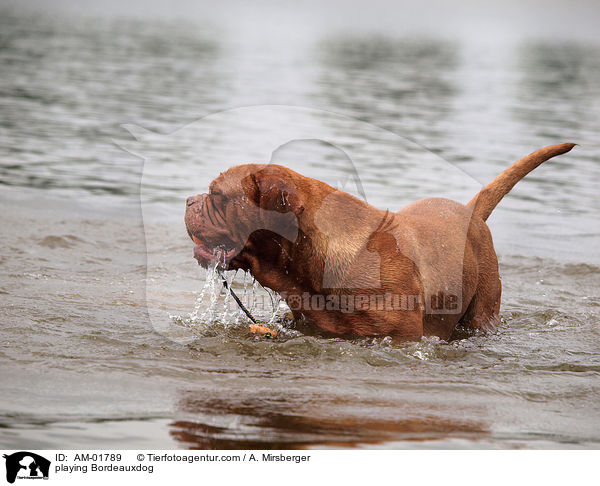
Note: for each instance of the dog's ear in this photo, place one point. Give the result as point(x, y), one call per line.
point(269, 189)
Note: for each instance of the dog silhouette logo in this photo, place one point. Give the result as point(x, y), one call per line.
point(26, 465)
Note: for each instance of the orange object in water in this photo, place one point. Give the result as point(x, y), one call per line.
point(265, 331)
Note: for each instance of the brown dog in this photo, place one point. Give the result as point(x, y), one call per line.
point(348, 269)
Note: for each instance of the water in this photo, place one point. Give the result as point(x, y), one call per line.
point(90, 356)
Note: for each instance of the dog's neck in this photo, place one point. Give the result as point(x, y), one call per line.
point(343, 228)
point(330, 237)
point(334, 230)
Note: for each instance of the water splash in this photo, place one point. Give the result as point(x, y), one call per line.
point(216, 310)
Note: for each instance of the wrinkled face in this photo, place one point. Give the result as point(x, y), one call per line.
point(240, 203)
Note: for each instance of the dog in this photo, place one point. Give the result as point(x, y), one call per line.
point(348, 269)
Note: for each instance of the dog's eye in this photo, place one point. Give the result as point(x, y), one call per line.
point(218, 196)
point(213, 190)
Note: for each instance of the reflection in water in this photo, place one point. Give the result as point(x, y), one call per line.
point(73, 267)
point(394, 83)
point(293, 422)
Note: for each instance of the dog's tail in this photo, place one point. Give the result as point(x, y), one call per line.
point(488, 198)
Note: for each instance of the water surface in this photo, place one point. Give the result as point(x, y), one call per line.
point(83, 364)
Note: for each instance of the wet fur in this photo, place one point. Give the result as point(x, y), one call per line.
point(300, 236)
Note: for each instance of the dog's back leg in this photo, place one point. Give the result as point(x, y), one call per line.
point(483, 312)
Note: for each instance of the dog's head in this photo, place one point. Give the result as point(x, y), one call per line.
point(244, 207)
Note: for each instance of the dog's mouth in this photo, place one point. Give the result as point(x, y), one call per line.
point(208, 254)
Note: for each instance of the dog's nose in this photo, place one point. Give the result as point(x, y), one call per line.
point(191, 200)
